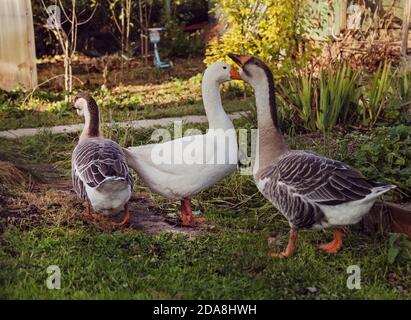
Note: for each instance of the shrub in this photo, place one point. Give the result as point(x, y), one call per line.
point(178, 43)
point(338, 90)
point(321, 103)
point(273, 30)
point(387, 158)
point(377, 95)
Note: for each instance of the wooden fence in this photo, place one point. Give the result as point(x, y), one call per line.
point(17, 51)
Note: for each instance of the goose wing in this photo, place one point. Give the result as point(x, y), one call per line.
point(301, 181)
point(182, 157)
point(96, 160)
point(322, 180)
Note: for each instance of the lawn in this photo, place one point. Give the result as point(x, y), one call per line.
point(42, 225)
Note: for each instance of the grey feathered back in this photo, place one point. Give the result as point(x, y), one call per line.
point(301, 181)
point(95, 161)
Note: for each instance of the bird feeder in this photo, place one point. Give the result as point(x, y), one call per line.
point(154, 34)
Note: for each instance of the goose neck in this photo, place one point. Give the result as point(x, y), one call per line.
point(216, 116)
point(92, 121)
point(270, 141)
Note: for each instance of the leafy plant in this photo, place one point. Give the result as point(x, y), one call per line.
point(387, 158)
point(377, 94)
point(178, 43)
point(273, 30)
point(324, 102)
point(399, 248)
point(404, 86)
point(337, 90)
point(298, 93)
point(399, 102)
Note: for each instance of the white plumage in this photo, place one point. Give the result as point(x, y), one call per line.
point(181, 168)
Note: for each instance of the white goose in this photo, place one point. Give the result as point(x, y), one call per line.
point(311, 191)
point(181, 168)
point(99, 170)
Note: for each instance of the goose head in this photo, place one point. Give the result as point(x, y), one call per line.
point(84, 103)
point(220, 72)
point(86, 106)
point(256, 73)
point(252, 70)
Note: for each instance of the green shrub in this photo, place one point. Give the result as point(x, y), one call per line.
point(399, 248)
point(273, 30)
point(181, 44)
point(387, 158)
point(297, 96)
point(338, 91)
point(324, 102)
point(377, 94)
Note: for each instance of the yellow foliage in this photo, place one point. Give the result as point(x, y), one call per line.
point(273, 30)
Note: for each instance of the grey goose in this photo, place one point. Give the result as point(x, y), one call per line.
point(100, 173)
point(310, 190)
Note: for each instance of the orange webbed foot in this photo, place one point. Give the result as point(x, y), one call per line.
point(104, 222)
point(192, 221)
point(290, 247)
point(187, 217)
point(279, 255)
point(334, 246)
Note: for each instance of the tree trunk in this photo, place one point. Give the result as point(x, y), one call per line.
point(167, 10)
point(70, 75)
point(66, 69)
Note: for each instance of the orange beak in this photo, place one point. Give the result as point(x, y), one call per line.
point(234, 75)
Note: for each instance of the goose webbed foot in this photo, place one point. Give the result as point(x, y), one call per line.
point(126, 218)
point(290, 247)
point(280, 255)
point(187, 217)
point(107, 223)
point(91, 214)
point(335, 245)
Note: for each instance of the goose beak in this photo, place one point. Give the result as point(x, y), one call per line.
point(238, 59)
point(234, 75)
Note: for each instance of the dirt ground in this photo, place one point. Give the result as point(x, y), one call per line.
point(113, 72)
point(50, 195)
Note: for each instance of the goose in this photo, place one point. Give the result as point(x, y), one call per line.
point(310, 190)
point(100, 173)
point(192, 163)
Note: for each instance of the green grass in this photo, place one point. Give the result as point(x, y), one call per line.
point(229, 262)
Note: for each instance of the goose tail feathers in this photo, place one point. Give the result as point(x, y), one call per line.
point(379, 190)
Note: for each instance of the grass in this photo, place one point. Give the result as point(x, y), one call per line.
point(230, 262)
